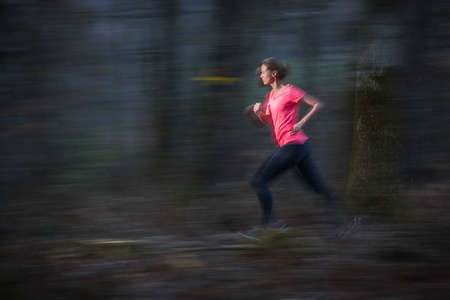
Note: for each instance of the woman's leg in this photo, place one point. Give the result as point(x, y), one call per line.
point(311, 172)
point(282, 159)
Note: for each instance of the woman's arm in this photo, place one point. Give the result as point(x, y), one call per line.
point(316, 106)
point(250, 114)
point(265, 118)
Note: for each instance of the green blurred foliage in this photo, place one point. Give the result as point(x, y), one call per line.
point(98, 101)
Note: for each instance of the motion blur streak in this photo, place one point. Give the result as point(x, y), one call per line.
point(126, 157)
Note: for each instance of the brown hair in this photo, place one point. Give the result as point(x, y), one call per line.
point(273, 65)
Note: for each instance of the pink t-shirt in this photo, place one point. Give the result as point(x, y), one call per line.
point(284, 109)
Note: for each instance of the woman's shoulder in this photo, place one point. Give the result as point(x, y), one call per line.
point(292, 87)
point(295, 91)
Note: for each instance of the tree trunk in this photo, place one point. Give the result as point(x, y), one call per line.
point(374, 179)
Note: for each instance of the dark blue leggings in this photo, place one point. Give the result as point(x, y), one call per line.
point(282, 159)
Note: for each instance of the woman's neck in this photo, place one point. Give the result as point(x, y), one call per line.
point(277, 86)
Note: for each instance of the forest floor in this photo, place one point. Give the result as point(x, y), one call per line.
point(378, 260)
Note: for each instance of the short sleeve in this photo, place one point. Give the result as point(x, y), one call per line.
point(266, 102)
point(296, 94)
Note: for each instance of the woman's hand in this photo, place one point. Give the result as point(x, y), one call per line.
point(265, 118)
point(257, 108)
point(254, 118)
point(316, 107)
point(298, 126)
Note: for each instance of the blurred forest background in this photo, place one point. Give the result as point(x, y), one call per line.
point(124, 118)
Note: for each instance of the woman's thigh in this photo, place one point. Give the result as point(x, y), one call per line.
point(311, 172)
point(282, 159)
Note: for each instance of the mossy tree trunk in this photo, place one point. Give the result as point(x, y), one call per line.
point(374, 177)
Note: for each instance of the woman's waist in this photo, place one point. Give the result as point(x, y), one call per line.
point(296, 137)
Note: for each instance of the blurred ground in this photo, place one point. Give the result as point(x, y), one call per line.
point(105, 252)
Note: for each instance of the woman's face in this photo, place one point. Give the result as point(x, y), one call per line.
point(267, 76)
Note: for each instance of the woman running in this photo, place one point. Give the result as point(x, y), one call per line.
point(280, 111)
